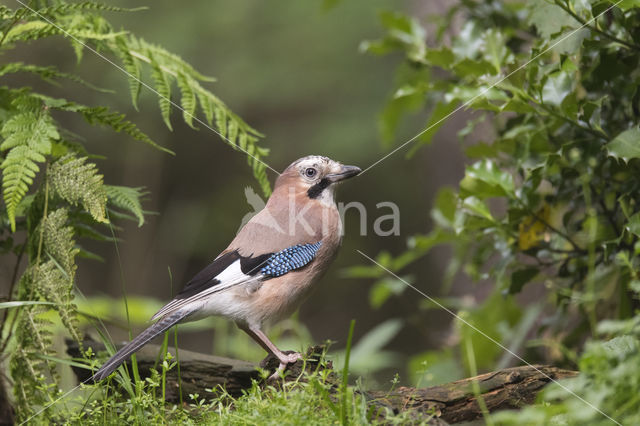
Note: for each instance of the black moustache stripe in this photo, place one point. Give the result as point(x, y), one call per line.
point(316, 190)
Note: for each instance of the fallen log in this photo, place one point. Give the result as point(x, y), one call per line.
point(454, 402)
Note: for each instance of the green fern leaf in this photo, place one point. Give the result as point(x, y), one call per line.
point(58, 240)
point(56, 287)
point(54, 278)
point(48, 74)
point(188, 100)
point(66, 8)
point(104, 116)
point(232, 134)
point(221, 122)
point(169, 62)
point(80, 183)
point(28, 370)
point(128, 199)
point(132, 66)
point(28, 138)
point(163, 87)
point(206, 105)
point(30, 30)
point(36, 130)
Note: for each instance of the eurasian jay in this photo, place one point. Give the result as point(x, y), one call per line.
point(269, 267)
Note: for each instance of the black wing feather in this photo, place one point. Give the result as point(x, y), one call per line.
point(205, 279)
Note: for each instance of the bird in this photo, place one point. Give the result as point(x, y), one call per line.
point(269, 268)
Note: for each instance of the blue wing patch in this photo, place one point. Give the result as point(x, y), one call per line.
point(291, 258)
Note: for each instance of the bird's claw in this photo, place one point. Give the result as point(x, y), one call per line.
point(285, 360)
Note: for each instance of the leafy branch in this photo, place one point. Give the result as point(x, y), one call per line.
point(566, 6)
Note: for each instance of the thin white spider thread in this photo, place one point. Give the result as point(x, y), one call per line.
point(440, 305)
point(470, 101)
point(65, 32)
point(67, 393)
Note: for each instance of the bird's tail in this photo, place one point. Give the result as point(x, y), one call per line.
point(142, 339)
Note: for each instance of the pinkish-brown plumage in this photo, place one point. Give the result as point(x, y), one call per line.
point(301, 211)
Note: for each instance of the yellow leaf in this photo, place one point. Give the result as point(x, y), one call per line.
point(532, 230)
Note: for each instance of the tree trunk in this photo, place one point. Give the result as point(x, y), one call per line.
point(450, 403)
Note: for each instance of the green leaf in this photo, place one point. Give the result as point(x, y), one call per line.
point(163, 86)
point(36, 130)
point(557, 87)
point(625, 5)
point(548, 18)
point(483, 180)
point(626, 145)
point(132, 66)
point(406, 99)
point(104, 116)
point(188, 100)
point(495, 50)
point(520, 277)
point(445, 207)
point(18, 303)
point(633, 225)
point(478, 207)
point(442, 57)
point(28, 137)
point(383, 289)
point(128, 199)
point(80, 183)
point(468, 42)
point(405, 31)
point(438, 116)
point(48, 73)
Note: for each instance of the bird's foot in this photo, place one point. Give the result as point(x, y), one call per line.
point(285, 359)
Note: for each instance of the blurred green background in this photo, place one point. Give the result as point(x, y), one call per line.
point(293, 71)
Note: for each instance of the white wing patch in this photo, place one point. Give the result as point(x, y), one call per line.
point(231, 276)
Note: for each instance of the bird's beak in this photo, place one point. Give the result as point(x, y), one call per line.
point(345, 173)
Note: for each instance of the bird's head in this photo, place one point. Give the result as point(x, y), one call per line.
point(315, 175)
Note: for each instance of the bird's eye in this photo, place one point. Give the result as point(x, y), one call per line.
point(310, 172)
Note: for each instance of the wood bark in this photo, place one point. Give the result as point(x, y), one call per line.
point(454, 402)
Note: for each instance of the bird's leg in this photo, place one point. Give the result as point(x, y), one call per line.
point(262, 339)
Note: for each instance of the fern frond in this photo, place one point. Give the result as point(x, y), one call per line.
point(66, 8)
point(28, 370)
point(167, 68)
point(54, 278)
point(169, 62)
point(104, 116)
point(58, 240)
point(48, 74)
point(128, 199)
point(163, 86)
point(30, 30)
point(36, 130)
point(79, 183)
point(132, 66)
point(5, 14)
point(220, 114)
point(28, 138)
point(188, 99)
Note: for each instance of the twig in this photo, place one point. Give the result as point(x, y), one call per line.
point(595, 28)
point(573, 123)
point(559, 232)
